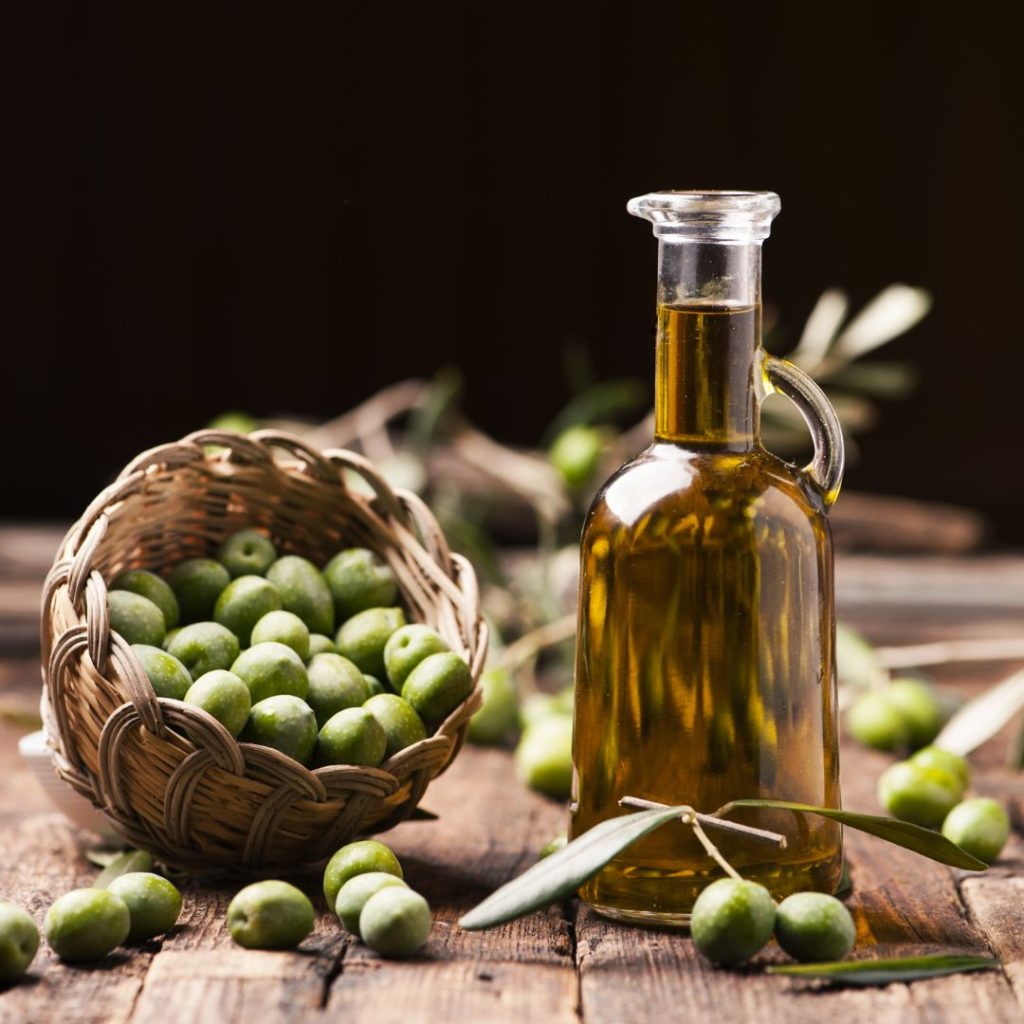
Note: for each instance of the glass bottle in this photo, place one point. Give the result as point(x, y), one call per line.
point(705, 667)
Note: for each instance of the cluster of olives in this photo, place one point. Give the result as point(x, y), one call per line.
point(87, 924)
point(250, 638)
point(732, 919)
point(903, 715)
point(363, 884)
point(928, 789)
point(543, 753)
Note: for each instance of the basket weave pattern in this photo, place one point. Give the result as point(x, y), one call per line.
point(169, 776)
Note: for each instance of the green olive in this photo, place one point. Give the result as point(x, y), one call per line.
point(19, 940)
point(437, 686)
point(270, 915)
point(356, 891)
point(357, 859)
point(406, 648)
point(576, 453)
point(243, 602)
point(363, 637)
point(954, 764)
point(270, 669)
point(167, 675)
point(401, 725)
point(204, 647)
point(285, 723)
point(153, 903)
point(543, 756)
point(498, 717)
point(284, 628)
point(136, 618)
point(358, 580)
point(731, 920)
point(876, 722)
point(811, 926)
point(923, 796)
point(86, 924)
point(352, 736)
point(320, 644)
point(247, 553)
point(222, 694)
point(197, 583)
point(922, 713)
point(304, 592)
point(395, 921)
point(980, 826)
point(149, 585)
point(334, 684)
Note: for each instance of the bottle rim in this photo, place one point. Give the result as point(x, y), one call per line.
point(725, 215)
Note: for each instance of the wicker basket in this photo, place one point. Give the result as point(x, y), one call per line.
point(168, 776)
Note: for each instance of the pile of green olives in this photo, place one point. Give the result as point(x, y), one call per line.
point(250, 638)
point(543, 725)
point(928, 789)
point(905, 714)
point(87, 924)
point(362, 883)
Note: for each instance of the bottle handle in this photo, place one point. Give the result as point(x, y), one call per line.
point(826, 468)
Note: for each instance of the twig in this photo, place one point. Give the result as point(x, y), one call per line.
point(530, 644)
point(712, 851)
point(943, 652)
point(369, 417)
point(710, 821)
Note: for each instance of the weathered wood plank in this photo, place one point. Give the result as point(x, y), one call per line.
point(996, 906)
point(417, 992)
point(902, 904)
point(40, 859)
point(490, 828)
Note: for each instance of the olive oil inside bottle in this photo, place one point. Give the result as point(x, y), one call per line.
point(705, 661)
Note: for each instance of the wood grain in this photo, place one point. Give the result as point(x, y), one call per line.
point(565, 964)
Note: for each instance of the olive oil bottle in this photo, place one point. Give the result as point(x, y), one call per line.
point(705, 649)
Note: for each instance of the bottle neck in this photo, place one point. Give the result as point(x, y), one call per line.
point(708, 345)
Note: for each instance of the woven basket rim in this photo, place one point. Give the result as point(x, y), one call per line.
point(99, 709)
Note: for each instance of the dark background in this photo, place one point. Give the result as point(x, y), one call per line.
point(284, 207)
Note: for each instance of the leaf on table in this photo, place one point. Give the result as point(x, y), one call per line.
point(564, 871)
point(101, 856)
point(980, 719)
point(422, 814)
point(123, 864)
point(886, 971)
point(920, 840)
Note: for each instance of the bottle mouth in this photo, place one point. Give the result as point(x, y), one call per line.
point(708, 215)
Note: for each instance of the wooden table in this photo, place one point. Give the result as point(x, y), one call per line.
point(565, 964)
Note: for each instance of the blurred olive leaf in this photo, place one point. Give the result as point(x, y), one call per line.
point(601, 403)
point(980, 719)
point(124, 864)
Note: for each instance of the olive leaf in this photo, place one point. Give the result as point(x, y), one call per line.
point(929, 844)
point(123, 864)
point(980, 719)
point(886, 971)
point(563, 872)
point(101, 856)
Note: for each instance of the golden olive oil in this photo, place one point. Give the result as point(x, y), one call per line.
point(705, 666)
